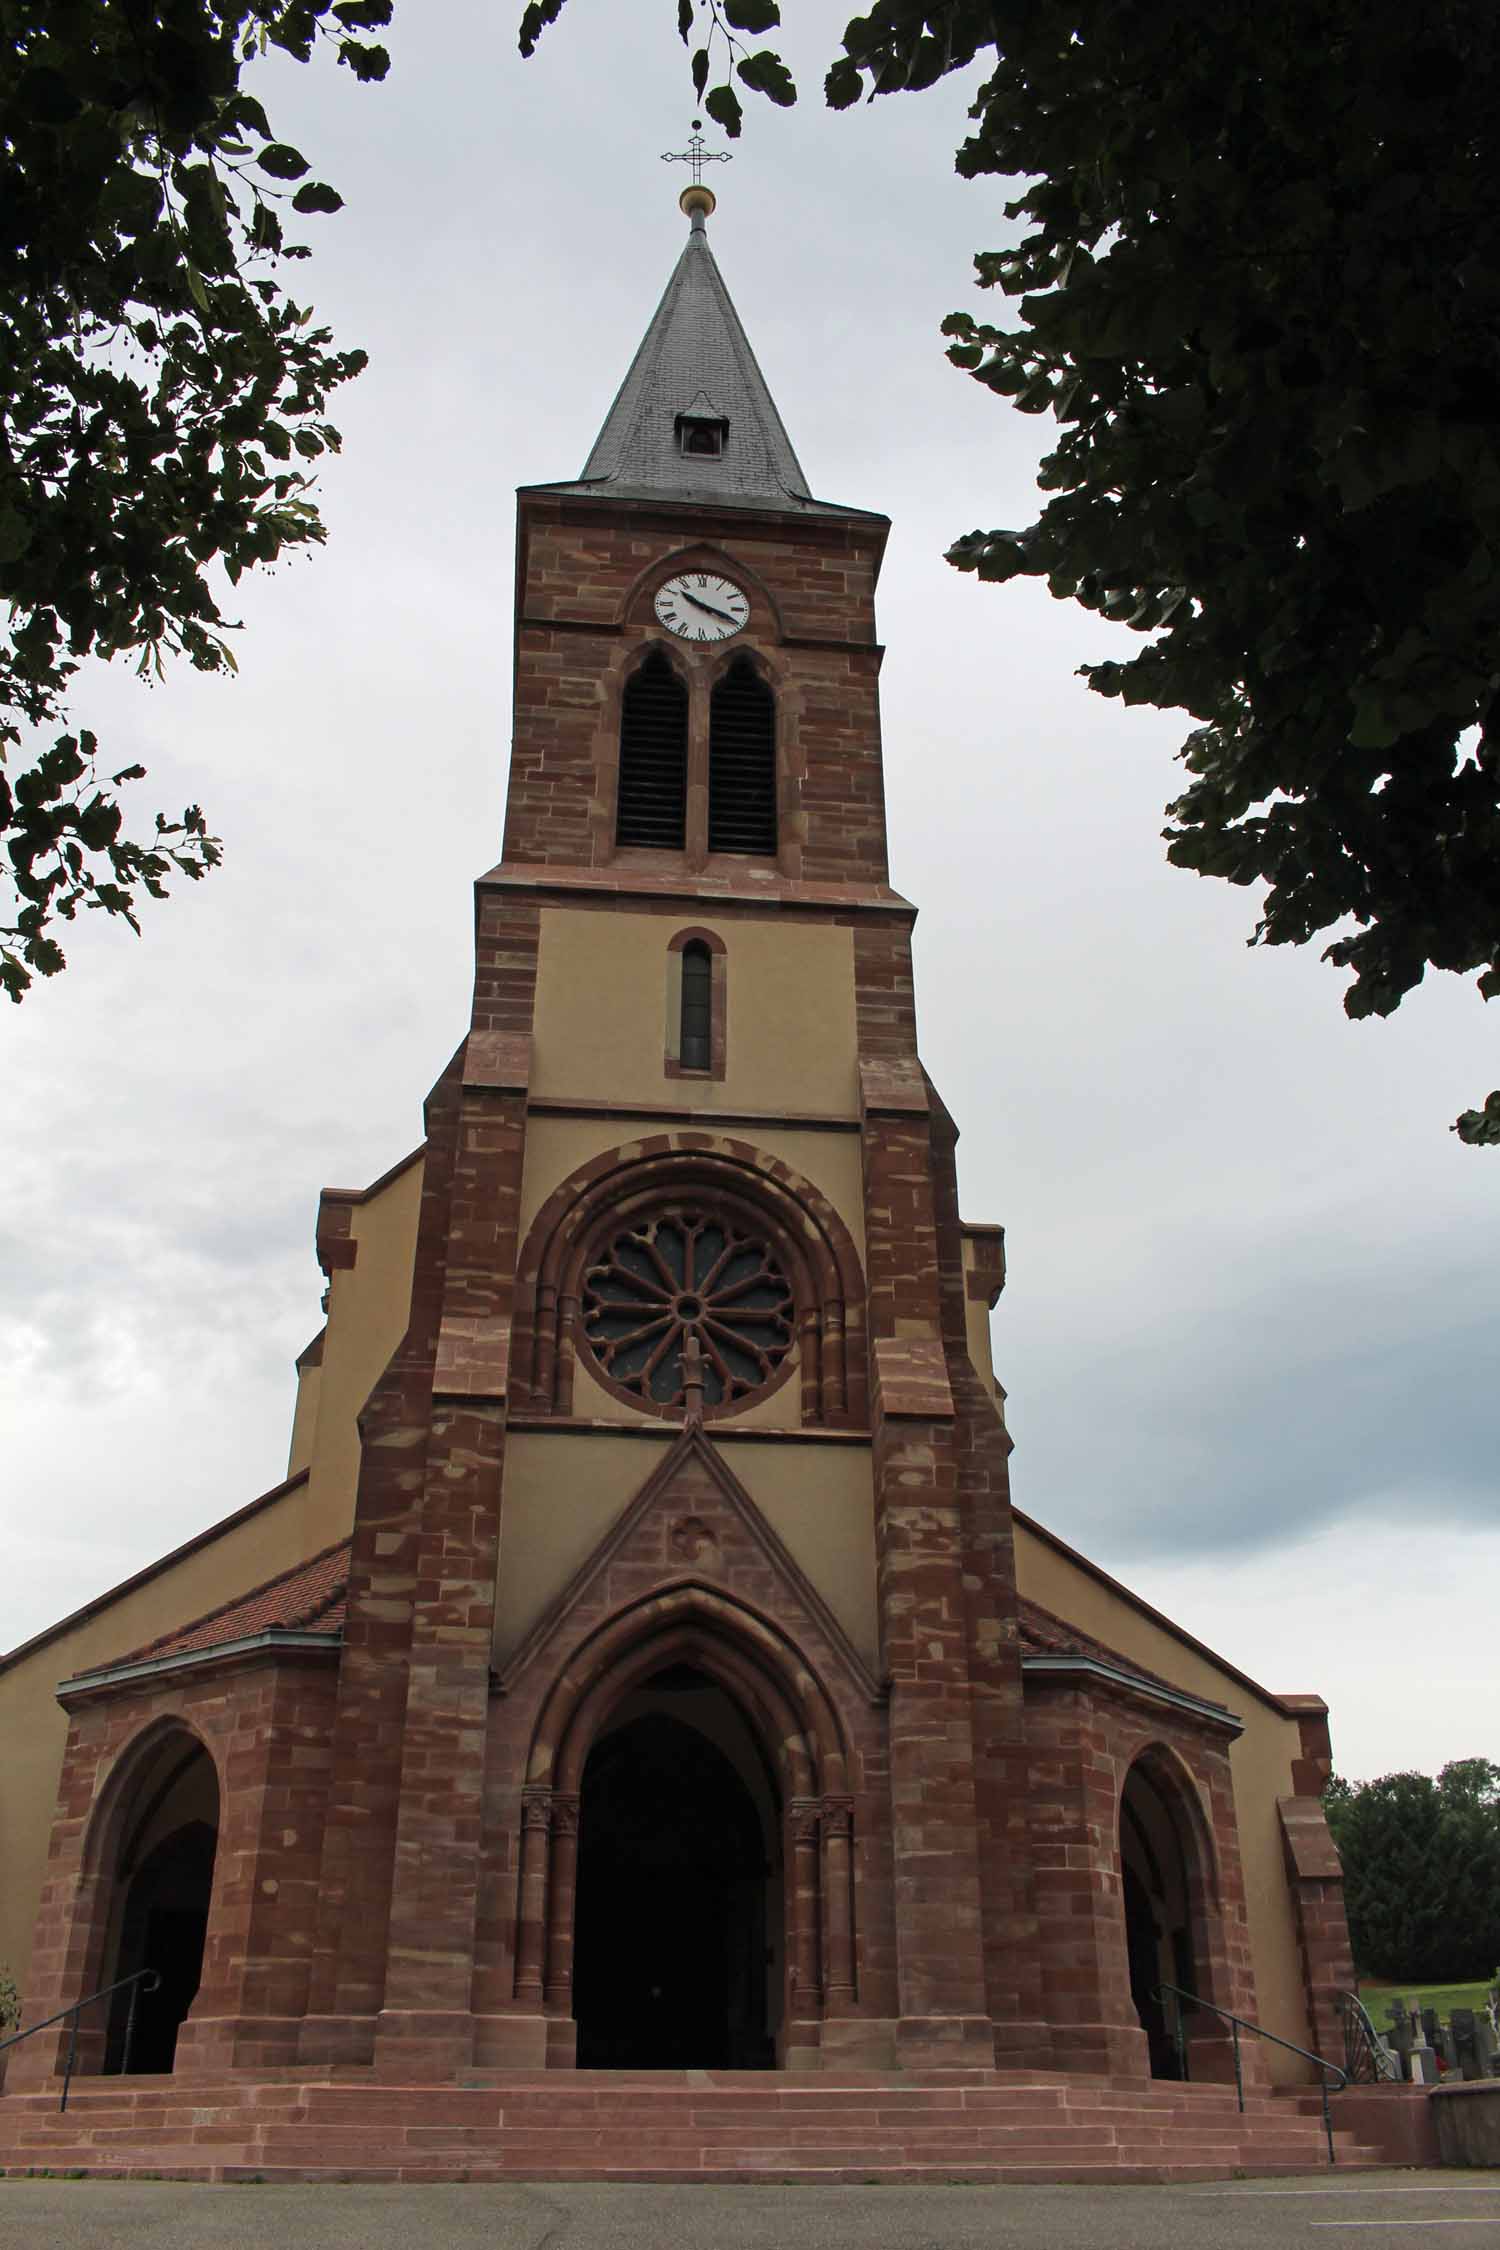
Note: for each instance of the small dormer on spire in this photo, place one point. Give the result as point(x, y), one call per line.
point(702, 430)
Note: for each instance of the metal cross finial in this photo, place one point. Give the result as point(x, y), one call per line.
point(697, 153)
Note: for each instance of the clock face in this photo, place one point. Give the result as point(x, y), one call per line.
point(697, 606)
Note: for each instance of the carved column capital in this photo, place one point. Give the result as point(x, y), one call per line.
point(536, 1810)
point(803, 1815)
point(838, 1816)
point(564, 1813)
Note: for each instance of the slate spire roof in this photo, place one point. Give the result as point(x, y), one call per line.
point(695, 361)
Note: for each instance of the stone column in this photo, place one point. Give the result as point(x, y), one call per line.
point(562, 1891)
point(531, 1915)
point(805, 1997)
point(838, 1903)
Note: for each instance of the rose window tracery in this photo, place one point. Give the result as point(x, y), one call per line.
point(688, 1273)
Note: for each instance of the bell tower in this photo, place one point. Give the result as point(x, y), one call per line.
point(694, 1414)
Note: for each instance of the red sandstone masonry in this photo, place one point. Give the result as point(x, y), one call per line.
point(727, 2126)
point(263, 1722)
point(1001, 1758)
point(584, 601)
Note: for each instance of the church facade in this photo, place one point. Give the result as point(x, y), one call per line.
point(643, 1665)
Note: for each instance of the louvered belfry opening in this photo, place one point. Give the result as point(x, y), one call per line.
point(742, 763)
point(652, 805)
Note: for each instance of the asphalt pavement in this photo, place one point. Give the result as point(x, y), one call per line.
point(1361, 2211)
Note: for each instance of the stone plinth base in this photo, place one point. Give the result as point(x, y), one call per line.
point(336, 2039)
point(415, 2045)
point(1027, 2046)
point(858, 2043)
point(945, 2043)
point(511, 2042)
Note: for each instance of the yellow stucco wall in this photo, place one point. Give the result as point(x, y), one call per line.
point(601, 1013)
point(369, 1304)
point(1261, 1761)
point(565, 1489)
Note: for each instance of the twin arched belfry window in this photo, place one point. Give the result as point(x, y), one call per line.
point(652, 805)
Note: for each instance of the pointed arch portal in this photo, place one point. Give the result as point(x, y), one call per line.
point(159, 1863)
point(1166, 1888)
point(685, 1888)
point(677, 1945)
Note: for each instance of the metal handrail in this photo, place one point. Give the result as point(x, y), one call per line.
point(1365, 2036)
point(140, 1980)
point(1243, 2023)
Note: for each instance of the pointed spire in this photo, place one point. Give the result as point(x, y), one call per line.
point(693, 419)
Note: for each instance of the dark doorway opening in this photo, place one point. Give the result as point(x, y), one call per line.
point(1158, 1915)
point(677, 1942)
point(164, 1883)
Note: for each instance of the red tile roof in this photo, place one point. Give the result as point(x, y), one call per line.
point(308, 1598)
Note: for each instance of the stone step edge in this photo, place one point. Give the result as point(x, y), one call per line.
point(957, 2174)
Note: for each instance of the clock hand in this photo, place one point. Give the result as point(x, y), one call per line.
point(722, 614)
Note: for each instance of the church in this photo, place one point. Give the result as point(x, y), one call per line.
point(642, 1667)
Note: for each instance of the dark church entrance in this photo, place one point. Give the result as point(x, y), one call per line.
point(678, 1935)
point(1158, 1914)
point(163, 1887)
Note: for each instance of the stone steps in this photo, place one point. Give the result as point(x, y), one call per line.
point(970, 2125)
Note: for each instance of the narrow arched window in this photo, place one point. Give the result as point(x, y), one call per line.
point(652, 805)
point(742, 763)
point(695, 1036)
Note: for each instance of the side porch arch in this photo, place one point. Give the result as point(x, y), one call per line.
point(1172, 1908)
point(139, 1894)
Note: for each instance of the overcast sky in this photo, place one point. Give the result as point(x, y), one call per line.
point(1250, 1330)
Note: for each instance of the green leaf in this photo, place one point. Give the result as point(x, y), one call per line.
point(684, 20)
point(766, 73)
point(369, 64)
point(1480, 1128)
point(246, 110)
point(752, 15)
point(700, 71)
point(723, 106)
point(537, 15)
point(316, 195)
point(843, 85)
point(281, 162)
point(362, 15)
point(47, 96)
point(15, 534)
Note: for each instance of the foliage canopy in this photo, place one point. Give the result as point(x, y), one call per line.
point(1255, 287)
point(1421, 1870)
point(162, 398)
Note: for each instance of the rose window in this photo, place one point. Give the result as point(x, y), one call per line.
point(682, 1274)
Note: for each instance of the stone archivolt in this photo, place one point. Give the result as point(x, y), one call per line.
point(804, 1244)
